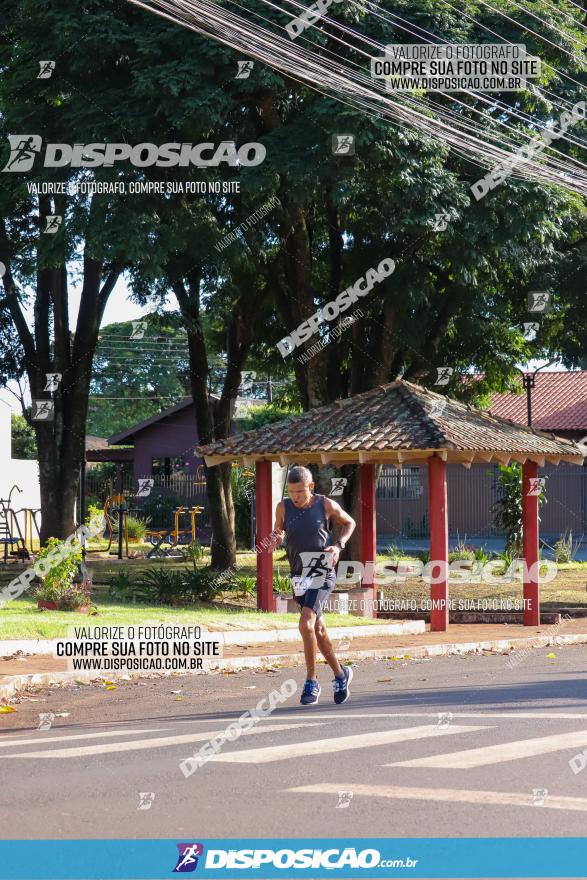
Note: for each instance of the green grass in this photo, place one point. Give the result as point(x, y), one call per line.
point(22, 619)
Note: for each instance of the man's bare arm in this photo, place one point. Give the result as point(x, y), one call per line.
point(278, 533)
point(335, 512)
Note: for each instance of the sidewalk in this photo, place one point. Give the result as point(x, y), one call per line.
point(17, 672)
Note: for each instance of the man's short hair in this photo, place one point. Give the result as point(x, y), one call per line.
point(300, 474)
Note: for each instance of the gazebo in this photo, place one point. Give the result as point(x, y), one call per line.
point(395, 424)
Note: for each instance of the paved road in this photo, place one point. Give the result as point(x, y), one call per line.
point(454, 746)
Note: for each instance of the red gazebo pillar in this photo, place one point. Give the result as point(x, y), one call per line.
point(530, 493)
point(368, 526)
point(438, 518)
point(264, 527)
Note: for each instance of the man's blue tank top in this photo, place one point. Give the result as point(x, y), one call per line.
point(306, 529)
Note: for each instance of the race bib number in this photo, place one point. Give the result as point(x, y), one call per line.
point(301, 584)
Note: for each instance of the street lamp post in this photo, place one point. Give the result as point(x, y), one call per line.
point(529, 381)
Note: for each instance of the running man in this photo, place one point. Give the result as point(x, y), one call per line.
point(304, 519)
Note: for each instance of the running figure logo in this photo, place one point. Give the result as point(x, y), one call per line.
point(343, 144)
point(337, 485)
point(43, 411)
point(443, 375)
point(539, 301)
point(46, 69)
point(244, 69)
point(23, 151)
point(187, 860)
point(53, 380)
point(316, 565)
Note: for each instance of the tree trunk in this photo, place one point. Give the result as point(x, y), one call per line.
point(214, 417)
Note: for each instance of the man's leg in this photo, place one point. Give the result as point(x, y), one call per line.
point(307, 630)
point(325, 645)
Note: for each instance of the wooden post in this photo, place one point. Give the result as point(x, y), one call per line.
point(530, 493)
point(368, 527)
point(438, 518)
point(264, 528)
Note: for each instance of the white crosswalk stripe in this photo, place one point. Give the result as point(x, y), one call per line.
point(335, 744)
point(33, 741)
point(509, 751)
point(152, 743)
point(448, 795)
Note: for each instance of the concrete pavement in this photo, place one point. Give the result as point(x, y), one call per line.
point(450, 746)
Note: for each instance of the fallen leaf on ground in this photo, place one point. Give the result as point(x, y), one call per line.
point(381, 680)
point(551, 656)
point(5, 709)
point(111, 687)
point(179, 698)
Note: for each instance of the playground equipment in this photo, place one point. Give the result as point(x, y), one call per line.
point(164, 541)
point(11, 535)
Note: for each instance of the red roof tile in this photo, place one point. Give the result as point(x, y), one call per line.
point(559, 402)
point(396, 418)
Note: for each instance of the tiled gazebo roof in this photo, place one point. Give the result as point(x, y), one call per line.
point(393, 423)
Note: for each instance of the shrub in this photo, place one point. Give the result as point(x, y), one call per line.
point(282, 583)
point(136, 527)
point(565, 549)
point(163, 585)
point(61, 573)
point(122, 589)
point(201, 584)
point(76, 596)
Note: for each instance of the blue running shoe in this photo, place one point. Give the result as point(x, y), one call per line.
point(311, 692)
point(341, 685)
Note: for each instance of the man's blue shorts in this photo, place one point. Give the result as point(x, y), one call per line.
point(316, 599)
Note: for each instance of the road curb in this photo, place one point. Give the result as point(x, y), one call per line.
point(12, 685)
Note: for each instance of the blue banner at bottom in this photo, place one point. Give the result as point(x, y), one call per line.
point(367, 858)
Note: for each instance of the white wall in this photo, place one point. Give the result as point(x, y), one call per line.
point(14, 470)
